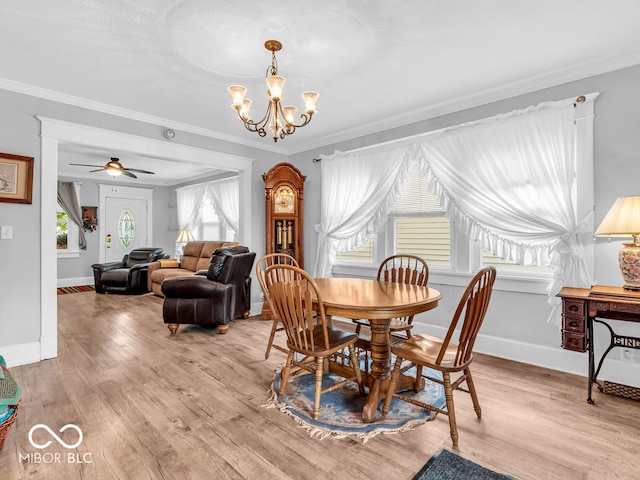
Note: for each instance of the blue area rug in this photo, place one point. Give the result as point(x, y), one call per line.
point(445, 465)
point(341, 409)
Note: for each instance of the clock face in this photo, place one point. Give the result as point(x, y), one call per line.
point(169, 134)
point(284, 200)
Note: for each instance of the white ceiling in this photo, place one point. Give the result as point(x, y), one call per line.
point(377, 64)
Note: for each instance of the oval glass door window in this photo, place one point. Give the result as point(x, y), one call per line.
point(126, 228)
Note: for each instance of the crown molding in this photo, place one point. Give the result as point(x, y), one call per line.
point(502, 92)
point(72, 100)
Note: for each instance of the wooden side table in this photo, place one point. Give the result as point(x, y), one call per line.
point(581, 307)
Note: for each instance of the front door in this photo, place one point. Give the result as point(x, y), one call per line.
point(125, 227)
point(125, 219)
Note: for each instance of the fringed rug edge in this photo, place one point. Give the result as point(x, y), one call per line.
point(320, 433)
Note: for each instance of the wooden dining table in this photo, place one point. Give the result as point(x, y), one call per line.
point(379, 302)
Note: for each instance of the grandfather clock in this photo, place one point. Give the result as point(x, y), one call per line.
point(284, 185)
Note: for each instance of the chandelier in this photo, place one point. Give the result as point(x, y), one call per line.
point(279, 119)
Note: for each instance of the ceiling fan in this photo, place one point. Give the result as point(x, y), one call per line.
point(114, 168)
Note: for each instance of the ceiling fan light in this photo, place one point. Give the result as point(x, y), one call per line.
point(310, 99)
point(114, 172)
point(237, 93)
point(276, 85)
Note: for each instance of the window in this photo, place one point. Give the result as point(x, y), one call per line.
point(211, 227)
point(67, 236)
point(62, 226)
point(126, 228)
point(418, 226)
point(67, 232)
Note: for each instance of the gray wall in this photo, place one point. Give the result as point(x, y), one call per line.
point(516, 326)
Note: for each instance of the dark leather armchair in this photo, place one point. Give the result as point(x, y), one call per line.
point(211, 297)
point(128, 276)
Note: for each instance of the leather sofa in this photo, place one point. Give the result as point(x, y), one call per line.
point(128, 276)
point(213, 297)
point(195, 256)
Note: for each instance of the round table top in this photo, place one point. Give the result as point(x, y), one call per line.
point(374, 299)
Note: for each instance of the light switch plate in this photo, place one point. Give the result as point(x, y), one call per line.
point(6, 232)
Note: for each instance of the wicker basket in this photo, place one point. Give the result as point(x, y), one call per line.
point(621, 390)
point(6, 425)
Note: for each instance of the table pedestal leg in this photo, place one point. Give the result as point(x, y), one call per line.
point(380, 368)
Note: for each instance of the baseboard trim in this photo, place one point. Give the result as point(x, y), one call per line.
point(74, 282)
point(21, 354)
point(558, 359)
point(553, 358)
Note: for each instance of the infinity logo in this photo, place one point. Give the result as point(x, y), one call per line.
point(53, 434)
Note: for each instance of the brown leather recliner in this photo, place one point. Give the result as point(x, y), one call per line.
point(212, 297)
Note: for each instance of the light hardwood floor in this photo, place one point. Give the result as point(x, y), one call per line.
point(190, 406)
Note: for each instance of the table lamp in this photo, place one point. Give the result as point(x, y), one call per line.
point(623, 220)
point(184, 237)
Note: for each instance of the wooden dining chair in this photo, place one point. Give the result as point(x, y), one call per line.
point(444, 356)
point(408, 269)
point(262, 264)
point(293, 294)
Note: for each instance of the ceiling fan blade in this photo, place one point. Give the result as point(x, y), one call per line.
point(137, 170)
point(85, 165)
point(99, 170)
point(128, 174)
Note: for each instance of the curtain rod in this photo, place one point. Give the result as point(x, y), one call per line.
point(579, 99)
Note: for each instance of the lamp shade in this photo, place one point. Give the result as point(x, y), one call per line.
point(623, 219)
point(310, 99)
point(185, 236)
point(276, 85)
point(237, 93)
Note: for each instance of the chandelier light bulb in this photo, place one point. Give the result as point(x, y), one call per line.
point(276, 86)
point(310, 99)
point(289, 114)
point(237, 93)
point(244, 109)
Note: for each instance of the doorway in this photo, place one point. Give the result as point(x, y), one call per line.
point(53, 132)
point(126, 213)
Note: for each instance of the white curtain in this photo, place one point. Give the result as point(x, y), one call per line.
point(190, 201)
point(68, 200)
point(506, 180)
point(358, 192)
point(226, 201)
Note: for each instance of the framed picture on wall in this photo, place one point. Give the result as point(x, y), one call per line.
point(89, 218)
point(16, 178)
